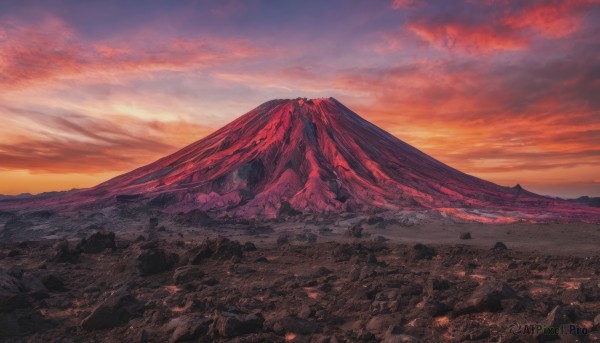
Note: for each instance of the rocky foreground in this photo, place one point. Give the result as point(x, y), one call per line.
point(111, 289)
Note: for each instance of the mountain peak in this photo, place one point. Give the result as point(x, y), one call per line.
point(307, 155)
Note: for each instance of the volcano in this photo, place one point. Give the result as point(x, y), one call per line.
point(316, 156)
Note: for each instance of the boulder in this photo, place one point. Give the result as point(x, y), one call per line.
point(187, 327)
point(249, 246)
point(422, 252)
point(187, 274)
point(53, 282)
point(117, 309)
point(155, 261)
point(219, 248)
point(465, 235)
point(63, 254)
point(499, 246)
point(11, 297)
point(229, 325)
point(97, 242)
point(487, 297)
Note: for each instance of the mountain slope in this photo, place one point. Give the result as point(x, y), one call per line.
point(318, 156)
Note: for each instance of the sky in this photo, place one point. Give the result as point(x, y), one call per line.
point(506, 90)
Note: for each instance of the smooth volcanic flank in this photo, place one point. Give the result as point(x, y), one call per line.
point(313, 156)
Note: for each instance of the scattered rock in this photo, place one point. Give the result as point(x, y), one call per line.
point(486, 297)
point(465, 235)
point(283, 239)
point(499, 246)
point(187, 327)
point(219, 248)
point(356, 231)
point(187, 274)
point(97, 242)
point(229, 325)
point(249, 246)
point(422, 252)
point(117, 309)
point(291, 324)
point(34, 286)
point(53, 282)
point(155, 261)
point(63, 254)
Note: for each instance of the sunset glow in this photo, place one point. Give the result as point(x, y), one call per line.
point(503, 90)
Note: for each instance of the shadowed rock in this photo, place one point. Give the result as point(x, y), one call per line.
point(487, 297)
point(97, 242)
point(155, 261)
point(219, 248)
point(117, 309)
point(422, 252)
point(229, 325)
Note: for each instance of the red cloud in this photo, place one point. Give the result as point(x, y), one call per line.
point(90, 145)
point(469, 38)
point(498, 25)
point(53, 50)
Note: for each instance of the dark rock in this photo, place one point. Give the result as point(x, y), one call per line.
point(34, 287)
point(13, 253)
point(379, 324)
point(97, 242)
point(293, 325)
point(422, 252)
point(219, 248)
point(440, 284)
point(465, 235)
point(499, 246)
point(249, 246)
point(22, 322)
point(591, 291)
point(487, 297)
point(117, 309)
point(356, 231)
point(53, 282)
point(283, 239)
point(11, 297)
point(187, 327)
point(187, 274)
point(63, 254)
point(155, 261)
point(559, 315)
point(211, 281)
point(16, 271)
point(193, 218)
point(228, 325)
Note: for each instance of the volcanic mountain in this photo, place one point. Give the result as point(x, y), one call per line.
point(318, 156)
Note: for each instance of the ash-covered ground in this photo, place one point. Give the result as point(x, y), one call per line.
point(350, 279)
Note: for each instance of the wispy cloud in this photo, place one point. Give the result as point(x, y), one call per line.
point(69, 142)
point(52, 50)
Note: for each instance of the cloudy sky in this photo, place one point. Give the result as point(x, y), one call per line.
point(506, 90)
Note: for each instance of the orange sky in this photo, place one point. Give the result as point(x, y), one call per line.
point(504, 90)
